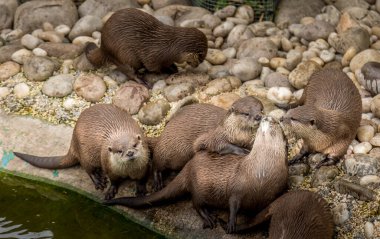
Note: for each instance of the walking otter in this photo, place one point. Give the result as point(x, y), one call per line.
point(297, 214)
point(328, 117)
point(133, 39)
point(248, 182)
point(174, 148)
point(106, 140)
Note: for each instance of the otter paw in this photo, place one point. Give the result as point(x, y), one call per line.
point(231, 227)
point(111, 192)
point(327, 161)
point(158, 182)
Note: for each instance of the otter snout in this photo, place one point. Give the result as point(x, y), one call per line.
point(130, 153)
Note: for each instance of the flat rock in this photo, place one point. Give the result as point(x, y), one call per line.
point(277, 79)
point(58, 86)
point(216, 57)
point(100, 8)
point(38, 68)
point(180, 13)
point(62, 50)
point(32, 14)
point(130, 97)
point(86, 26)
point(9, 69)
point(7, 11)
point(153, 112)
point(90, 86)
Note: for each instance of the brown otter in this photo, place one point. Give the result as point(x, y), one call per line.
point(106, 140)
point(328, 117)
point(133, 39)
point(236, 182)
point(174, 148)
point(297, 214)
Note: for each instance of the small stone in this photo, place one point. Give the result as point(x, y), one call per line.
point(159, 86)
point(216, 57)
point(299, 77)
point(369, 229)
point(315, 30)
point(246, 69)
point(324, 175)
point(276, 62)
point(286, 45)
point(29, 41)
point(276, 79)
point(363, 57)
point(66, 66)
point(340, 213)
point(228, 11)
point(229, 52)
point(38, 68)
point(83, 40)
point(375, 141)
point(362, 148)
point(130, 97)
point(62, 29)
point(218, 71)
point(153, 112)
point(8, 69)
point(277, 114)
point(21, 55)
point(82, 63)
point(361, 164)
point(69, 103)
point(327, 56)
point(96, 35)
point(245, 12)
point(257, 47)
point(4, 92)
point(223, 29)
point(90, 86)
point(295, 180)
point(279, 95)
point(224, 100)
point(255, 88)
point(21, 90)
point(356, 37)
point(220, 85)
point(375, 106)
point(61, 50)
point(293, 58)
point(366, 104)
point(347, 57)
point(39, 52)
point(369, 179)
point(235, 36)
point(51, 36)
point(178, 91)
point(110, 83)
point(299, 169)
point(85, 26)
point(7, 51)
point(355, 190)
point(365, 133)
point(58, 86)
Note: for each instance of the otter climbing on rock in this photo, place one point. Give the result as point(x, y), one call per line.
point(246, 183)
point(229, 132)
point(133, 39)
point(106, 141)
point(328, 116)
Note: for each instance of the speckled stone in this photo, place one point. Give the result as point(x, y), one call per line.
point(58, 86)
point(324, 175)
point(90, 86)
point(8, 69)
point(38, 68)
point(220, 85)
point(178, 91)
point(130, 96)
point(153, 112)
point(21, 90)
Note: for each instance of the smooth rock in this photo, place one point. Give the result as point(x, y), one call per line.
point(224, 100)
point(315, 30)
point(257, 47)
point(279, 95)
point(362, 148)
point(178, 91)
point(157, 4)
point(211, 21)
point(342, 4)
point(51, 36)
point(29, 41)
point(7, 51)
point(277, 113)
point(329, 14)
point(375, 141)
point(39, 52)
point(363, 57)
point(7, 11)
point(375, 106)
point(62, 29)
point(223, 29)
point(32, 14)
point(82, 63)
point(39, 68)
point(235, 36)
point(369, 229)
point(354, 37)
point(299, 169)
point(153, 112)
point(21, 55)
point(327, 56)
point(218, 71)
point(62, 50)
point(83, 40)
point(229, 52)
point(340, 213)
point(246, 69)
point(8, 69)
point(130, 96)
point(225, 12)
point(90, 86)
point(295, 180)
point(245, 12)
point(365, 133)
point(86, 26)
point(255, 88)
point(58, 86)
point(21, 90)
point(366, 105)
point(100, 8)
point(220, 85)
point(324, 175)
point(276, 79)
point(180, 13)
point(215, 57)
point(346, 22)
point(348, 55)
point(369, 179)
point(299, 77)
point(4, 92)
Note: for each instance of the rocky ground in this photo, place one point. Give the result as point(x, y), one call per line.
point(44, 73)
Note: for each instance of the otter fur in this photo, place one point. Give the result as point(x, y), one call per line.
point(174, 148)
point(297, 214)
point(328, 116)
point(133, 39)
point(106, 141)
point(247, 183)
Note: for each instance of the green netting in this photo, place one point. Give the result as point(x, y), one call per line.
point(263, 9)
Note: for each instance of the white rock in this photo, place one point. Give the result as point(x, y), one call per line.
point(369, 179)
point(39, 52)
point(280, 95)
point(298, 94)
point(69, 103)
point(277, 113)
point(4, 92)
point(62, 29)
point(246, 69)
point(365, 133)
point(362, 148)
point(96, 35)
point(216, 57)
point(369, 230)
point(340, 213)
point(366, 104)
point(21, 55)
point(326, 56)
point(29, 41)
point(375, 141)
point(21, 90)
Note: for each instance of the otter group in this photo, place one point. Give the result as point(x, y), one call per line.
point(233, 159)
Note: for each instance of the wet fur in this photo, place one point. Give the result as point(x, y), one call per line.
point(329, 114)
point(297, 214)
point(235, 182)
point(100, 132)
point(133, 39)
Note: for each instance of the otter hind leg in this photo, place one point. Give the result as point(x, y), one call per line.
point(233, 149)
point(158, 183)
point(112, 190)
point(234, 208)
point(100, 181)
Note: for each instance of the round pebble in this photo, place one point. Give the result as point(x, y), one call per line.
point(21, 55)
point(375, 141)
point(39, 52)
point(4, 92)
point(69, 103)
point(58, 86)
point(29, 41)
point(369, 179)
point(8, 69)
point(365, 133)
point(369, 230)
point(327, 56)
point(216, 57)
point(153, 112)
point(90, 86)
point(21, 90)
point(62, 29)
point(362, 148)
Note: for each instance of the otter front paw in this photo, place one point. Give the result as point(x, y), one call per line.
point(328, 161)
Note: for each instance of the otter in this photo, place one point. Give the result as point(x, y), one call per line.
point(106, 141)
point(297, 214)
point(219, 130)
point(328, 116)
point(133, 39)
point(237, 182)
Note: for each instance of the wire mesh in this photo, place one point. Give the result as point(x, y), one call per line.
point(264, 10)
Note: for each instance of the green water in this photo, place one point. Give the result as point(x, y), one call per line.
point(38, 207)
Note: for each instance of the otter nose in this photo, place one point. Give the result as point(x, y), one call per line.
point(130, 153)
point(258, 117)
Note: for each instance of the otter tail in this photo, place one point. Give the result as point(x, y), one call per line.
point(95, 54)
point(175, 189)
point(55, 162)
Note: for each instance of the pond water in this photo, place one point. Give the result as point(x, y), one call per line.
point(30, 209)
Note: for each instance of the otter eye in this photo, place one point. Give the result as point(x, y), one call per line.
point(135, 145)
point(119, 151)
point(245, 114)
point(109, 149)
point(138, 137)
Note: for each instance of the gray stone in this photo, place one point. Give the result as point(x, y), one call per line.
point(58, 86)
point(324, 175)
point(32, 14)
point(178, 91)
point(375, 108)
point(4, 92)
point(39, 68)
point(291, 11)
point(227, 11)
point(157, 4)
point(245, 12)
point(30, 41)
point(215, 57)
point(8, 69)
point(223, 29)
point(355, 190)
point(295, 180)
point(363, 57)
point(218, 71)
point(276, 79)
point(21, 56)
point(153, 112)
point(235, 36)
point(21, 90)
point(354, 37)
point(7, 11)
point(365, 133)
point(211, 21)
point(100, 8)
point(329, 14)
point(257, 47)
point(165, 20)
point(220, 85)
point(90, 86)
point(246, 69)
point(130, 97)
point(299, 77)
point(196, 23)
point(180, 13)
point(259, 28)
point(370, 179)
point(62, 50)
point(316, 30)
point(7, 51)
point(361, 165)
point(342, 4)
point(86, 26)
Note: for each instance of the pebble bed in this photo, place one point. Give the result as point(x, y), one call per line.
point(44, 73)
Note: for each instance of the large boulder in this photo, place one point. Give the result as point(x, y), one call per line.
point(7, 12)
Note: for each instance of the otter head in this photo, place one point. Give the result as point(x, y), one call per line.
point(191, 58)
point(193, 45)
point(269, 132)
point(302, 121)
point(247, 112)
point(126, 148)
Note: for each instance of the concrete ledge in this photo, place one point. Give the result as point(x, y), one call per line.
point(25, 134)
